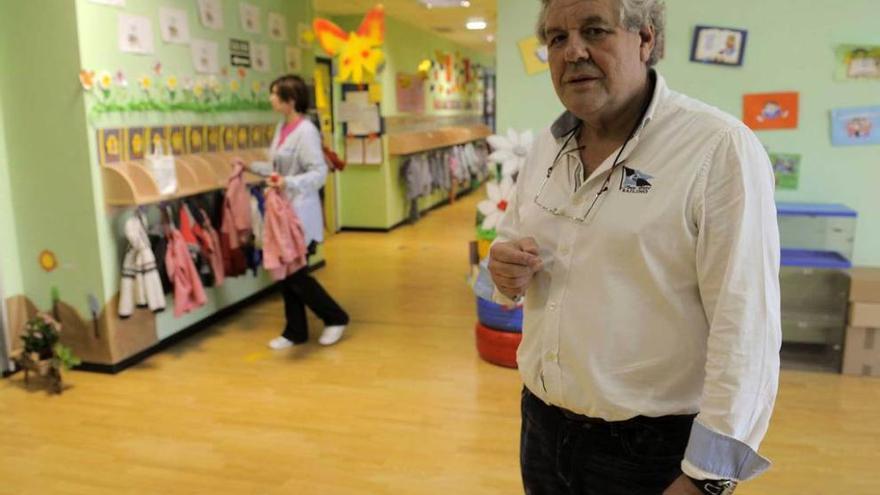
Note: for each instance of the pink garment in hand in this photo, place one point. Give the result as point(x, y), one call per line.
point(188, 291)
point(284, 246)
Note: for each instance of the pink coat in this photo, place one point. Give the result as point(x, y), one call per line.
point(236, 224)
point(284, 247)
point(188, 291)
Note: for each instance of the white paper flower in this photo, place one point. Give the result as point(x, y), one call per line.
point(493, 208)
point(510, 150)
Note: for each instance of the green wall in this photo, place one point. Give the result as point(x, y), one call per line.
point(10, 274)
point(373, 196)
point(48, 159)
point(790, 47)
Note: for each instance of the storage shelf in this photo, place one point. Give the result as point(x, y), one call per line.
point(408, 143)
point(814, 210)
point(814, 259)
point(132, 184)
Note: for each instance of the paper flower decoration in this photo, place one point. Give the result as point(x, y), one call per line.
point(145, 82)
point(510, 151)
point(359, 53)
point(234, 86)
point(105, 81)
point(87, 79)
point(171, 83)
point(493, 208)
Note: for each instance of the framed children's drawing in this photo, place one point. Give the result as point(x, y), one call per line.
point(717, 45)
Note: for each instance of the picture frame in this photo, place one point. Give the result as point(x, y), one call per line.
point(719, 45)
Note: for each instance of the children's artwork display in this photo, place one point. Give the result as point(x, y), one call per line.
point(771, 110)
point(260, 57)
point(277, 26)
point(135, 34)
point(717, 45)
point(855, 126)
point(204, 57)
point(787, 169)
point(410, 93)
point(211, 14)
point(857, 62)
point(250, 18)
point(174, 25)
point(534, 55)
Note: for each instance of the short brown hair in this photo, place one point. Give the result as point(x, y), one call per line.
point(292, 88)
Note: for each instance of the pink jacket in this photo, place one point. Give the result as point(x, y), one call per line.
point(236, 224)
point(188, 291)
point(284, 247)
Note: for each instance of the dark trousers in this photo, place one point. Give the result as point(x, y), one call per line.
point(301, 290)
point(562, 453)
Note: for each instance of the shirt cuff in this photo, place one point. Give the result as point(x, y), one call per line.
point(499, 298)
point(711, 455)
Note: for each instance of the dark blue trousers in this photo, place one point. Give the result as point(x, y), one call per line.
point(562, 453)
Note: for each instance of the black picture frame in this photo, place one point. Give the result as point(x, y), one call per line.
point(712, 45)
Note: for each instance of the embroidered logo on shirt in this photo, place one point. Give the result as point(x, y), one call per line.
point(635, 181)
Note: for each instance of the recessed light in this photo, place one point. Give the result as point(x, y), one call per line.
point(465, 3)
point(476, 24)
point(490, 38)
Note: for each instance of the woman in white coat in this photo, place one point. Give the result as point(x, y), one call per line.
point(296, 155)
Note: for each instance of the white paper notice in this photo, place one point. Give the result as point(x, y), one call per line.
point(204, 56)
point(354, 150)
point(294, 59)
point(211, 14)
point(373, 150)
point(135, 34)
point(277, 26)
point(250, 17)
point(361, 116)
point(260, 57)
point(174, 25)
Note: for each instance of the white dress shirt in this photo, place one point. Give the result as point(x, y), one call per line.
point(665, 299)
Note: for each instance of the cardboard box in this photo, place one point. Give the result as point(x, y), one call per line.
point(865, 285)
point(861, 352)
point(864, 315)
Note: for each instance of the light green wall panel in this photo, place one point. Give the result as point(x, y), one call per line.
point(47, 151)
point(790, 47)
point(10, 273)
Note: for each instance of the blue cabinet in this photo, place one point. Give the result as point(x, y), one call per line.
point(817, 245)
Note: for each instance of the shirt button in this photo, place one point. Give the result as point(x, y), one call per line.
point(551, 306)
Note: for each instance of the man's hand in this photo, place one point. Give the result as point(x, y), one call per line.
point(682, 486)
point(513, 264)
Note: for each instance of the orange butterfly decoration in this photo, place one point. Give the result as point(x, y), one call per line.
point(359, 53)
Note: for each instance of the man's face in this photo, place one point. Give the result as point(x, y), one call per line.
point(596, 65)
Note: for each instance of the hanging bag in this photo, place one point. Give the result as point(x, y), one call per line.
point(162, 168)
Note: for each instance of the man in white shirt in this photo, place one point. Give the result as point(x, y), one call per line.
point(643, 234)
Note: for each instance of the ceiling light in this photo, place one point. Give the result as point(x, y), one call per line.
point(490, 38)
point(445, 3)
point(476, 24)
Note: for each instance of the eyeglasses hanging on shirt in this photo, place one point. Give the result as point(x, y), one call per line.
point(560, 192)
point(564, 186)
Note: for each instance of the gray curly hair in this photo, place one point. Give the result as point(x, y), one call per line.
point(634, 14)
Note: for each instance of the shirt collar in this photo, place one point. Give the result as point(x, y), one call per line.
point(568, 121)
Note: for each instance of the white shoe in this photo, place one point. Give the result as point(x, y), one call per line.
point(279, 343)
point(331, 334)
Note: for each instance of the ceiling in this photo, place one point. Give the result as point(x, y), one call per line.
point(446, 22)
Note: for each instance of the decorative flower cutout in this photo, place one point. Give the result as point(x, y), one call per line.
point(87, 79)
point(105, 81)
point(493, 208)
point(511, 150)
point(145, 83)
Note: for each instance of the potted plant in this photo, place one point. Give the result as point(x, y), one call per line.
point(43, 352)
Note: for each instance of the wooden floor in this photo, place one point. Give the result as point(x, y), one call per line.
point(403, 405)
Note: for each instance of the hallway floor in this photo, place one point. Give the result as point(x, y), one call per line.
point(402, 405)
